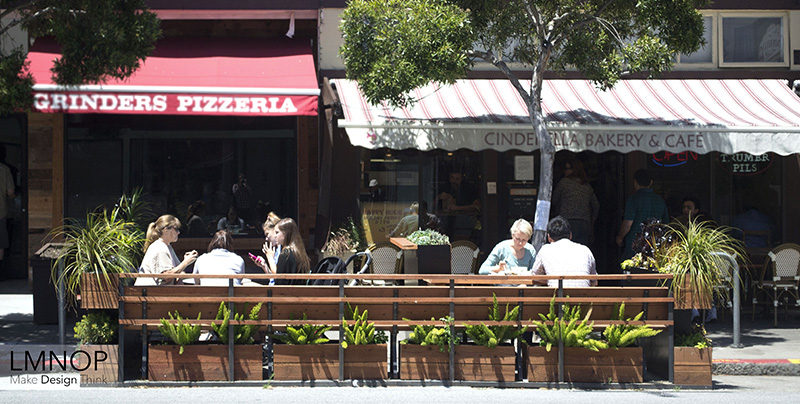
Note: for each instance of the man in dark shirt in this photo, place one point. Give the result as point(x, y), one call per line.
point(642, 205)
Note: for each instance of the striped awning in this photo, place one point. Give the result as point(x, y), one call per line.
point(753, 116)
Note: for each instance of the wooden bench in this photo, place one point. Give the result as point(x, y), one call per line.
point(463, 297)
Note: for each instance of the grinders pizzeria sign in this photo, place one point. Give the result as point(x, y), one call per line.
point(174, 104)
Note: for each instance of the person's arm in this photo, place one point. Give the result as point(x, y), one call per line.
point(595, 205)
point(624, 228)
point(538, 267)
point(592, 268)
point(555, 204)
point(490, 265)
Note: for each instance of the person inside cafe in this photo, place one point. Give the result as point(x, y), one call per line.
point(219, 260)
point(562, 256)
point(195, 225)
point(458, 197)
point(513, 254)
point(159, 256)
point(292, 258)
point(575, 200)
point(642, 205)
point(231, 221)
point(690, 210)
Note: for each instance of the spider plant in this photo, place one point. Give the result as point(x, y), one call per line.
point(107, 243)
point(692, 262)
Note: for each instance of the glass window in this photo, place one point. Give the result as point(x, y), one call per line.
point(753, 40)
point(705, 53)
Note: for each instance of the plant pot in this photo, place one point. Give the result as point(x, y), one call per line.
point(423, 363)
point(690, 298)
point(692, 366)
point(305, 362)
point(479, 363)
point(203, 363)
point(427, 259)
point(99, 294)
point(366, 362)
point(102, 363)
point(623, 365)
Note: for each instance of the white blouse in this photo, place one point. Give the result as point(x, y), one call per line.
point(158, 258)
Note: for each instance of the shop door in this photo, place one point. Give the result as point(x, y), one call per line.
point(13, 147)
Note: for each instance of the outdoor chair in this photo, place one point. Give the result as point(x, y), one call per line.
point(783, 263)
point(464, 257)
point(387, 259)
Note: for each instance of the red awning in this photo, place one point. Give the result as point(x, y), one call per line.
point(192, 76)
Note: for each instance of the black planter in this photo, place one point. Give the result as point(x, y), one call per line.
point(45, 301)
point(428, 259)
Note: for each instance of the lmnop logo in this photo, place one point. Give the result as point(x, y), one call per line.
point(39, 367)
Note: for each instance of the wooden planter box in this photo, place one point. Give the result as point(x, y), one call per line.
point(104, 371)
point(305, 362)
point(692, 366)
point(691, 299)
point(480, 363)
point(99, 294)
point(423, 363)
point(623, 365)
point(321, 362)
point(203, 362)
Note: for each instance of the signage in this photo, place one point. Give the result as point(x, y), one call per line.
point(668, 159)
point(745, 163)
point(172, 104)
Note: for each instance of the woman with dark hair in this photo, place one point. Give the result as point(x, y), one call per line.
point(159, 257)
point(195, 226)
point(292, 258)
point(574, 200)
point(219, 260)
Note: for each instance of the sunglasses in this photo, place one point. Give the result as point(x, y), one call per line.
point(176, 228)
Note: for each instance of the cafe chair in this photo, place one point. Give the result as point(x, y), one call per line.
point(464, 257)
point(783, 263)
point(387, 258)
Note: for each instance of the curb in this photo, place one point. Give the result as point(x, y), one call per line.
point(756, 368)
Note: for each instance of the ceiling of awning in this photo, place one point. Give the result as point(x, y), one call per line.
point(754, 116)
point(192, 76)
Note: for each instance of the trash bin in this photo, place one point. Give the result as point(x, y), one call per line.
point(45, 299)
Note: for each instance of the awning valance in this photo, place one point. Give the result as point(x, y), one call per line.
point(192, 76)
point(754, 116)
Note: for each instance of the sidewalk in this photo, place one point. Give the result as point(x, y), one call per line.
point(767, 350)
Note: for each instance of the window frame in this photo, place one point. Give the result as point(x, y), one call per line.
point(784, 16)
point(714, 48)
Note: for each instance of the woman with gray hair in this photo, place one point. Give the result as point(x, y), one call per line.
point(515, 252)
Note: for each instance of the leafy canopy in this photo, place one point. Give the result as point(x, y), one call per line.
point(99, 39)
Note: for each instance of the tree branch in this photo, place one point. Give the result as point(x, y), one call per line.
point(534, 15)
point(555, 41)
point(16, 22)
point(503, 67)
point(16, 5)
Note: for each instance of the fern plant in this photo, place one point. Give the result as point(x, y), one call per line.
point(491, 336)
point(697, 338)
point(242, 334)
point(430, 335)
point(574, 331)
point(307, 334)
point(96, 328)
point(180, 333)
point(362, 332)
point(622, 335)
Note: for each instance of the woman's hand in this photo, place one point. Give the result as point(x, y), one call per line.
point(500, 268)
point(190, 257)
point(259, 260)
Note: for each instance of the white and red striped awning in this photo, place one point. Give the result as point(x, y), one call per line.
point(754, 116)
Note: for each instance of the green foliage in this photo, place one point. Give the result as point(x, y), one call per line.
point(691, 258)
point(362, 332)
point(430, 335)
point(180, 333)
point(618, 336)
point(96, 327)
point(307, 334)
point(428, 237)
point(394, 46)
point(574, 331)
point(108, 243)
point(697, 338)
point(242, 334)
point(99, 39)
point(491, 336)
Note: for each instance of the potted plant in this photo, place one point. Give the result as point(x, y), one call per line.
point(305, 354)
point(188, 361)
point(432, 255)
point(586, 358)
point(491, 356)
point(344, 242)
point(650, 245)
point(97, 335)
point(109, 242)
point(365, 348)
point(425, 354)
point(692, 358)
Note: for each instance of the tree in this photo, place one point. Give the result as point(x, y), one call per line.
point(393, 46)
point(99, 39)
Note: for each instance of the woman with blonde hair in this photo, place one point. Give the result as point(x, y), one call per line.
point(292, 257)
point(516, 252)
point(159, 257)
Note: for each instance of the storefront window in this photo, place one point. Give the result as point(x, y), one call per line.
point(187, 167)
point(705, 53)
point(753, 40)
